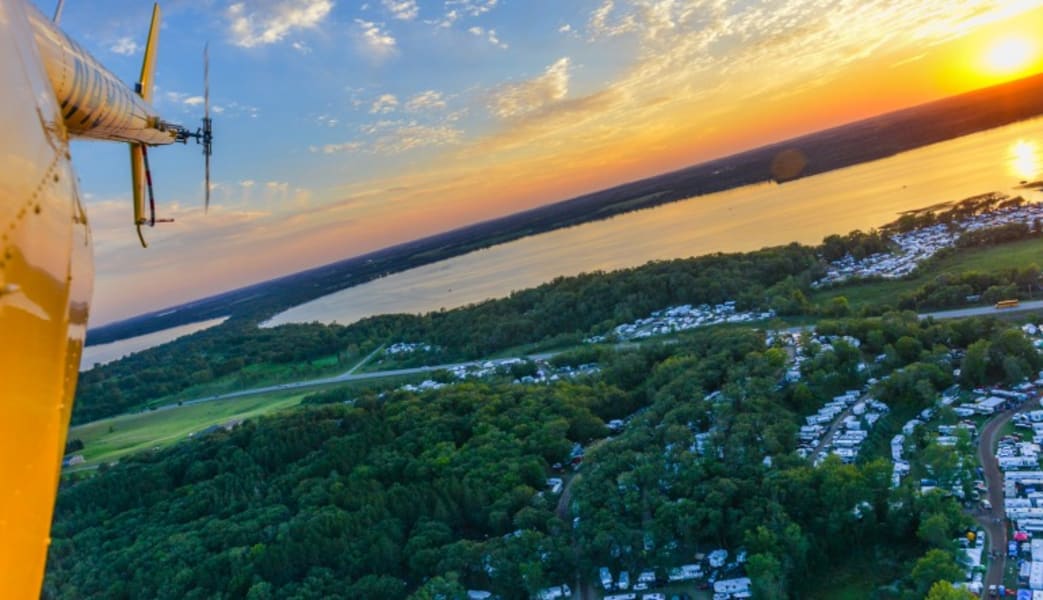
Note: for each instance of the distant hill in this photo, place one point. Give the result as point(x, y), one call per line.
point(819, 152)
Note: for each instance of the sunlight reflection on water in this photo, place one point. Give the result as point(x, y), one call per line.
point(1024, 160)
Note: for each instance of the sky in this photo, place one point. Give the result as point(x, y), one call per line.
point(344, 127)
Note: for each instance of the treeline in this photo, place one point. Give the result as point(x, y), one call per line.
point(565, 309)
point(1000, 234)
point(951, 213)
point(958, 289)
point(858, 244)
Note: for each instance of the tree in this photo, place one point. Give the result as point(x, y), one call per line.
point(765, 571)
point(908, 349)
point(838, 307)
point(935, 529)
point(943, 590)
point(1028, 277)
point(936, 565)
point(441, 588)
point(975, 364)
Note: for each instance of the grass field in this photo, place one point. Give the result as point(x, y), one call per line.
point(995, 258)
point(108, 439)
point(261, 375)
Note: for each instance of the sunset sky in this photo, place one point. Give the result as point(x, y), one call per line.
point(343, 127)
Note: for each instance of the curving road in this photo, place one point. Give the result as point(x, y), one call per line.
point(993, 521)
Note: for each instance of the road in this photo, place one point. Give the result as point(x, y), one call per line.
point(342, 378)
point(835, 426)
point(350, 375)
point(347, 376)
point(994, 521)
point(983, 310)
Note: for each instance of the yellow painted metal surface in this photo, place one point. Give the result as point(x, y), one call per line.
point(46, 275)
point(148, 66)
point(95, 103)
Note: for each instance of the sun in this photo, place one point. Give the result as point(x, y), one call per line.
point(1010, 55)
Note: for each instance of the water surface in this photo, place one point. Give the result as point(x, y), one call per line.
point(747, 218)
point(100, 354)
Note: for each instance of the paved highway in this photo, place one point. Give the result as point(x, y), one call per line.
point(983, 310)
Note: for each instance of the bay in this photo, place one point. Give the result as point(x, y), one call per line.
point(747, 218)
point(100, 354)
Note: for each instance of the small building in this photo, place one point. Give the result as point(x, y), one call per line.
point(1036, 575)
point(606, 578)
point(685, 573)
point(989, 406)
point(734, 588)
point(554, 593)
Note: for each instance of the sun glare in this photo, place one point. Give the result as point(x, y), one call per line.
point(1010, 55)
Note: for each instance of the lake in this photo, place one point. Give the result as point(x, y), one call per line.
point(106, 353)
point(747, 218)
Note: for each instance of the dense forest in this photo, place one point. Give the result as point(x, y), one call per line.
point(424, 495)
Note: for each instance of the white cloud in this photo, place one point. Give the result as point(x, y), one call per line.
point(458, 9)
point(124, 46)
point(193, 101)
point(428, 100)
point(247, 183)
point(384, 104)
point(519, 98)
point(489, 35)
point(600, 26)
point(566, 28)
point(414, 135)
point(375, 40)
point(277, 186)
point(335, 148)
point(473, 8)
point(395, 136)
point(269, 21)
point(405, 10)
point(301, 47)
point(495, 40)
point(237, 109)
point(446, 21)
point(327, 121)
point(176, 97)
